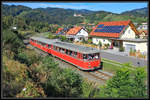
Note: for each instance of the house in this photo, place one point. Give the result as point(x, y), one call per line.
point(142, 26)
point(143, 34)
point(77, 15)
point(116, 34)
point(61, 31)
point(77, 34)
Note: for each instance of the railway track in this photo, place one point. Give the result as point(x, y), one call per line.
point(99, 75)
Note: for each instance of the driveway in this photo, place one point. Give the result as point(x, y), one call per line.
point(123, 59)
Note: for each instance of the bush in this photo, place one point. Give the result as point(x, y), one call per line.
point(12, 41)
point(14, 77)
point(89, 89)
point(63, 83)
point(63, 38)
point(126, 84)
point(27, 56)
point(100, 44)
point(89, 40)
point(31, 89)
point(121, 49)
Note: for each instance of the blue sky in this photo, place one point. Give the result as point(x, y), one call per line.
point(115, 7)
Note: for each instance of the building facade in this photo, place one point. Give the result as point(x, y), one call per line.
point(118, 34)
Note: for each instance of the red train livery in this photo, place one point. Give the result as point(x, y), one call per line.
point(85, 58)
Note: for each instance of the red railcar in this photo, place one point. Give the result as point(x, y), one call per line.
point(85, 58)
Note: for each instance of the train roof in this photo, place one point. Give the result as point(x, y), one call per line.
point(76, 48)
point(69, 46)
point(44, 40)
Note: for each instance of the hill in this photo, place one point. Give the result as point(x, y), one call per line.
point(65, 16)
point(143, 12)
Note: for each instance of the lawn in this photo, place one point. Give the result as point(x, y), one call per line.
point(112, 66)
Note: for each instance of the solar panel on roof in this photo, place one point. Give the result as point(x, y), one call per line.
point(111, 29)
point(100, 26)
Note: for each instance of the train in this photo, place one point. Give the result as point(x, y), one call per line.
point(84, 58)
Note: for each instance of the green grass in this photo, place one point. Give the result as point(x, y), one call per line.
point(113, 66)
point(108, 67)
point(103, 59)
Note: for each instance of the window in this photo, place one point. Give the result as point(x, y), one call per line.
point(96, 40)
point(54, 47)
point(96, 56)
point(49, 46)
point(67, 51)
point(75, 54)
point(129, 31)
point(84, 56)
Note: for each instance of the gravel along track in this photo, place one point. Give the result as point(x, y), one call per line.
point(98, 76)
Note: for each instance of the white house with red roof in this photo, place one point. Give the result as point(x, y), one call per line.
point(77, 33)
point(117, 34)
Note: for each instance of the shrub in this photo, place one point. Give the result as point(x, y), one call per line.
point(12, 41)
point(63, 83)
point(31, 89)
point(89, 89)
point(100, 44)
point(27, 56)
point(126, 84)
point(89, 40)
point(14, 77)
point(121, 49)
point(63, 38)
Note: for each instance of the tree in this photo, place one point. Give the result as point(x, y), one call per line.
point(100, 44)
point(139, 87)
point(125, 84)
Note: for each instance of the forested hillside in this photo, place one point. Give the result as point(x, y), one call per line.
point(65, 16)
point(143, 12)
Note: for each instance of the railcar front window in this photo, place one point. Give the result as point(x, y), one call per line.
point(90, 56)
point(96, 56)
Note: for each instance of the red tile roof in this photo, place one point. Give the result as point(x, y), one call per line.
point(145, 31)
point(113, 23)
point(74, 31)
point(59, 29)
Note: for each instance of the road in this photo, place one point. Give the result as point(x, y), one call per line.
point(124, 59)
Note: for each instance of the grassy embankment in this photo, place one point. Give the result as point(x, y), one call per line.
point(113, 66)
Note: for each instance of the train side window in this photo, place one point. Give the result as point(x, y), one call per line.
point(75, 54)
point(70, 53)
point(67, 51)
point(49, 46)
point(54, 47)
point(62, 50)
point(57, 48)
point(85, 56)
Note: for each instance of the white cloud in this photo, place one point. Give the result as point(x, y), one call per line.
point(63, 6)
